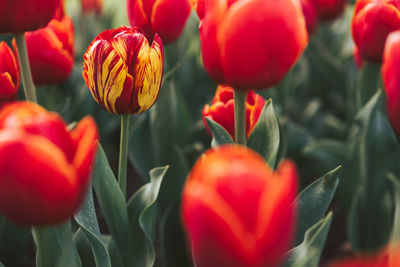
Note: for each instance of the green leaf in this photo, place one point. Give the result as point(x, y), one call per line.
point(396, 225)
point(87, 221)
point(220, 135)
point(84, 248)
point(55, 247)
point(113, 206)
point(142, 216)
point(308, 253)
point(368, 82)
point(313, 201)
point(265, 138)
point(13, 242)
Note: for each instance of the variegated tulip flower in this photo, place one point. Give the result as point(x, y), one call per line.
point(122, 71)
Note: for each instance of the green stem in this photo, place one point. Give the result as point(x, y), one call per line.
point(123, 153)
point(240, 116)
point(26, 75)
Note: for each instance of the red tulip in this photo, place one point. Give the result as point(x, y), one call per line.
point(372, 22)
point(237, 211)
point(122, 71)
point(44, 167)
point(330, 9)
point(17, 16)
point(163, 17)
point(250, 44)
point(51, 50)
point(92, 5)
point(391, 79)
point(310, 14)
point(358, 60)
point(9, 75)
point(222, 110)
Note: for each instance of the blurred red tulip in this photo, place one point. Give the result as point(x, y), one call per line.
point(9, 75)
point(44, 167)
point(330, 9)
point(372, 22)
point(391, 78)
point(310, 14)
point(122, 71)
point(17, 16)
point(51, 50)
point(250, 44)
point(358, 60)
point(222, 110)
point(92, 5)
point(237, 211)
point(163, 17)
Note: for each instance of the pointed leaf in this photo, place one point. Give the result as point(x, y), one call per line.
point(220, 135)
point(313, 202)
point(265, 138)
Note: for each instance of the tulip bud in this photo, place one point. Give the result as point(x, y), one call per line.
point(372, 22)
point(222, 110)
point(163, 17)
point(310, 14)
point(44, 167)
point(237, 211)
point(92, 5)
point(250, 44)
point(51, 50)
point(122, 71)
point(329, 9)
point(17, 16)
point(9, 75)
point(391, 79)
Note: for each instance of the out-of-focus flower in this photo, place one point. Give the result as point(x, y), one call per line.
point(372, 22)
point(92, 5)
point(250, 44)
point(237, 211)
point(17, 16)
point(329, 9)
point(391, 79)
point(310, 14)
point(163, 17)
point(9, 75)
point(358, 60)
point(222, 110)
point(44, 167)
point(122, 71)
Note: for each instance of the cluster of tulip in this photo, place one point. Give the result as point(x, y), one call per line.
point(235, 208)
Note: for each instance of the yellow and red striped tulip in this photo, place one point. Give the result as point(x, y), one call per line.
point(44, 167)
point(250, 44)
point(123, 72)
point(237, 211)
point(9, 74)
point(222, 110)
point(163, 17)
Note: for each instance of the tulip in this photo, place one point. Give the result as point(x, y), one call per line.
point(222, 110)
point(372, 22)
point(9, 75)
point(358, 60)
point(250, 44)
point(310, 14)
point(92, 5)
point(163, 17)
point(391, 79)
point(237, 211)
point(122, 71)
point(51, 50)
point(18, 16)
point(44, 167)
point(329, 9)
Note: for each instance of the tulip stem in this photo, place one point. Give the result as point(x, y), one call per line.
point(123, 153)
point(26, 75)
point(240, 116)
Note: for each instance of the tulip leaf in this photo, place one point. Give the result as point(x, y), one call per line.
point(264, 138)
point(113, 206)
point(220, 135)
point(13, 242)
point(314, 201)
point(87, 221)
point(142, 216)
point(54, 246)
point(396, 225)
point(308, 253)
